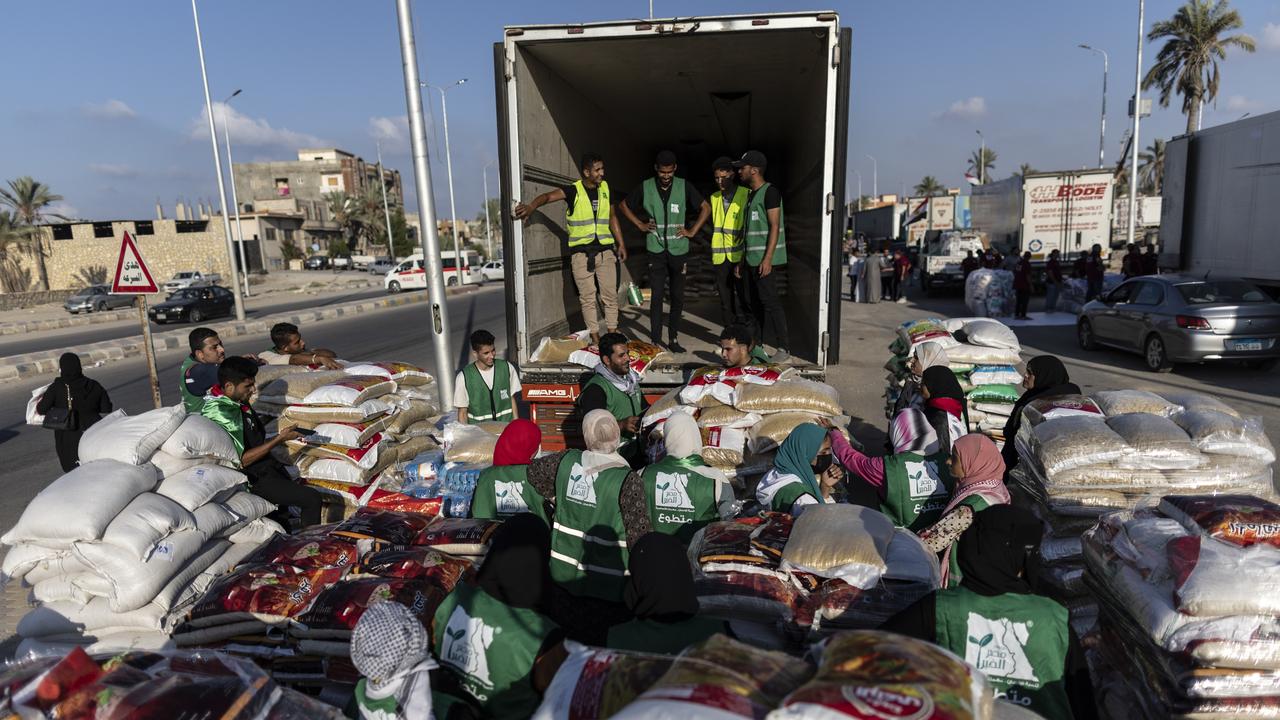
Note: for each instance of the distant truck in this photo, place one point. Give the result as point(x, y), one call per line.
point(191, 278)
point(1220, 213)
point(942, 253)
point(1069, 211)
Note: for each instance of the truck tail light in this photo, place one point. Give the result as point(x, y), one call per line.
point(1191, 322)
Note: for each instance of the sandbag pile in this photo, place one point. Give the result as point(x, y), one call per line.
point(1082, 457)
point(1190, 608)
point(783, 581)
point(983, 353)
point(989, 293)
point(168, 684)
point(744, 413)
point(116, 550)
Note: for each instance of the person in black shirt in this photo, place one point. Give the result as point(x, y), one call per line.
point(86, 402)
point(661, 207)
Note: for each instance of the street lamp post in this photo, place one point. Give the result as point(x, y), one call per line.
point(1102, 132)
point(386, 211)
point(217, 168)
point(855, 172)
point(875, 178)
point(1137, 115)
point(448, 161)
point(982, 159)
point(231, 170)
point(488, 222)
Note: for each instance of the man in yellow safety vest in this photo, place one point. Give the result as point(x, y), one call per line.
point(728, 213)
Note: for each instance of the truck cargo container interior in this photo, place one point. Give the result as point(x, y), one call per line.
point(701, 94)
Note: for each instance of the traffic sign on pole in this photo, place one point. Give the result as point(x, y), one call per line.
point(133, 277)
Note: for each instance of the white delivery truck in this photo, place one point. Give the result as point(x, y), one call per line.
point(1069, 211)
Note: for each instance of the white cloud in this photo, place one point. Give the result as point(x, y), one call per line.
point(1271, 36)
point(253, 132)
point(1240, 103)
point(113, 170)
point(110, 110)
point(973, 107)
point(392, 132)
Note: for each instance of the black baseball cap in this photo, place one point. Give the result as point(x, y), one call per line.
point(754, 158)
point(665, 157)
point(722, 163)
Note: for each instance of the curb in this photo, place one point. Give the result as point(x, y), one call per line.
point(19, 367)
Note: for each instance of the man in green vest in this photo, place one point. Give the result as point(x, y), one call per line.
point(766, 252)
point(1022, 642)
point(199, 370)
point(615, 387)
point(661, 208)
point(486, 390)
point(728, 220)
point(591, 228)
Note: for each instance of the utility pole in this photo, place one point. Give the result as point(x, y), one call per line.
point(217, 169)
point(439, 325)
point(231, 170)
point(1137, 115)
point(1102, 133)
point(386, 211)
point(448, 162)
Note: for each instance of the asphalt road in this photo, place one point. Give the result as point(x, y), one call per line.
point(86, 334)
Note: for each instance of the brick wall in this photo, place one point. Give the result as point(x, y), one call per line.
point(166, 251)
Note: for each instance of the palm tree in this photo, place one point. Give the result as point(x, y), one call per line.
point(982, 162)
point(13, 240)
point(1151, 168)
point(1025, 169)
point(1188, 62)
point(28, 198)
point(929, 186)
point(345, 211)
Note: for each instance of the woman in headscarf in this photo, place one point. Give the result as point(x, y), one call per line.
point(944, 405)
point(492, 634)
point(684, 493)
point(1046, 377)
point(979, 484)
point(504, 490)
point(85, 401)
point(912, 485)
point(661, 597)
point(995, 601)
point(803, 472)
point(392, 651)
point(924, 355)
point(599, 512)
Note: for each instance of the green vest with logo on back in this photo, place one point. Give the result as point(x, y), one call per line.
point(491, 648)
point(758, 230)
point(668, 216)
point(486, 403)
point(585, 225)
point(190, 402)
point(503, 491)
point(588, 541)
point(620, 405)
point(681, 501)
point(1018, 641)
point(917, 488)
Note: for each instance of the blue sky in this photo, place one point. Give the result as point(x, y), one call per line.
point(104, 103)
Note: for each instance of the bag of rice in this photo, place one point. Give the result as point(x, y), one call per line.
point(1000, 393)
point(97, 491)
point(468, 444)
point(291, 387)
point(347, 435)
point(1222, 434)
point(1120, 402)
point(557, 350)
point(343, 471)
point(722, 446)
point(663, 408)
point(144, 522)
point(1060, 406)
point(1192, 400)
point(399, 372)
point(1076, 441)
point(598, 683)
point(769, 433)
point(130, 439)
point(989, 333)
point(350, 391)
point(363, 412)
point(200, 437)
point(1156, 442)
point(709, 386)
point(363, 457)
point(847, 542)
point(913, 332)
point(965, 354)
point(795, 395)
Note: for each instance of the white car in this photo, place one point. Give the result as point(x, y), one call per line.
point(409, 275)
point(492, 270)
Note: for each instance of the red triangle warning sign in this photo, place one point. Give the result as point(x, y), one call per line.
point(132, 275)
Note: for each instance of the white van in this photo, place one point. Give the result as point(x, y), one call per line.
point(409, 274)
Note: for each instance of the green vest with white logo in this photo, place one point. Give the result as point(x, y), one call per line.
point(758, 231)
point(486, 403)
point(588, 541)
point(917, 488)
point(680, 500)
point(787, 495)
point(191, 403)
point(620, 405)
point(503, 491)
point(585, 225)
point(1018, 641)
point(491, 648)
point(726, 226)
point(668, 216)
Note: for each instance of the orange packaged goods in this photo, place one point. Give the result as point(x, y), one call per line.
point(336, 611)
point(440, 569)
point(303, 553)
point(268, 593)
point(467, 537)
point(644, 354)
point(1242, 520)
point(873, 675)
point(383, 527)
point(389, 500)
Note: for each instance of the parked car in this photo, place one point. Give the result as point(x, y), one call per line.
point(381, 266)
point(341, 262)
point(193, 305)
point(316, 262)
point(191, 278)
point(1171, 319)
point(492, 270)
point(96, 297)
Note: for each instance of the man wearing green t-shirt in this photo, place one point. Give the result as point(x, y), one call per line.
point(662, 209)
point(487, 389)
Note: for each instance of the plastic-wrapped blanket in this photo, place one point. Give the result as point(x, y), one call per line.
point(989, 293)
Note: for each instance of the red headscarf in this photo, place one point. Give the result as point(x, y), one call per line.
point(518, 443)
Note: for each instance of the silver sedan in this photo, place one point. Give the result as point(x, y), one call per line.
point(1171, 319)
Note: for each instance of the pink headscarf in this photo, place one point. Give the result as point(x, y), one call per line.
point(983, 476)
